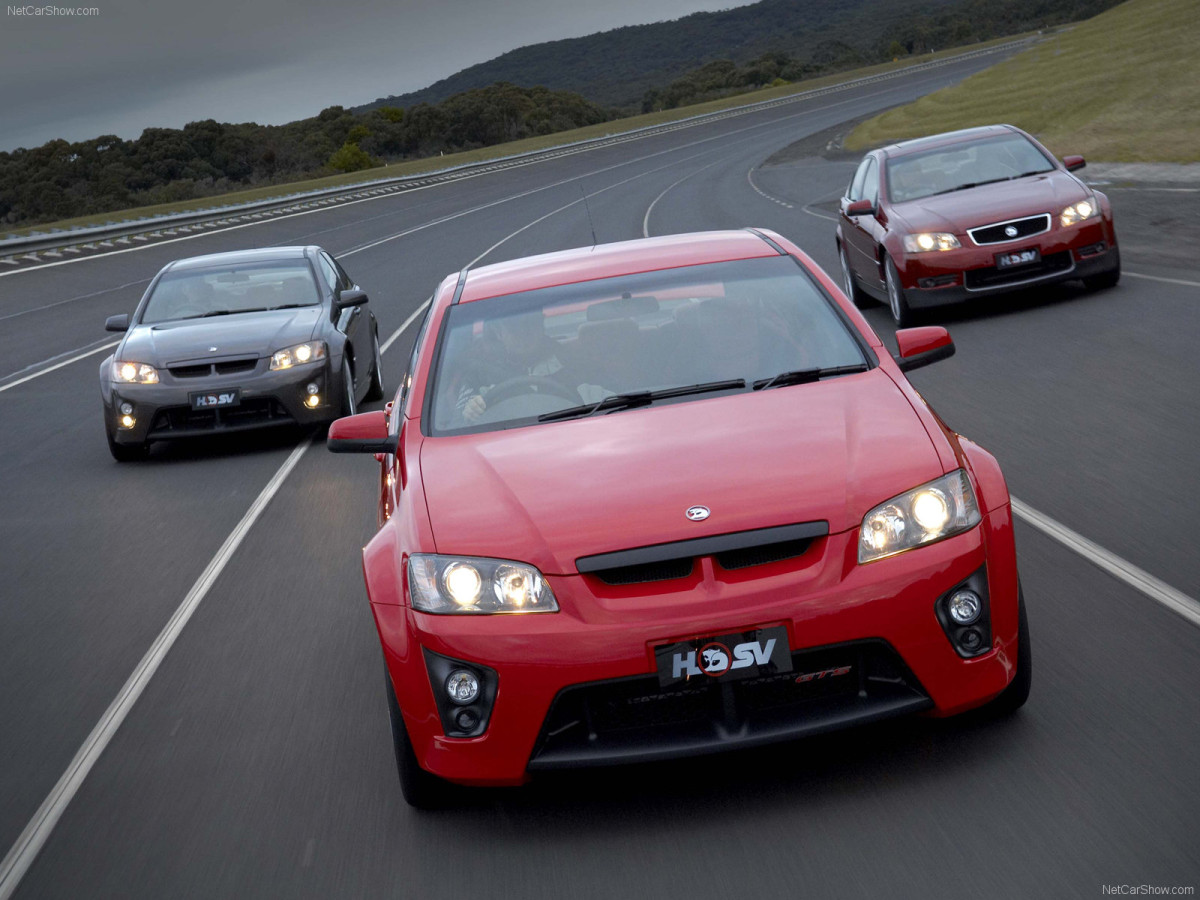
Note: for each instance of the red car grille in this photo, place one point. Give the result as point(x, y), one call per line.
point(1051, 264)
point(1020, 228)
point(636, 719)
point(736, 550)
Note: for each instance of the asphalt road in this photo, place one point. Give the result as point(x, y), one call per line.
point(257, 762)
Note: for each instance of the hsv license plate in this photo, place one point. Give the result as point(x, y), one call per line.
point(1017, 258)
point(725, 657)
point(216, 399)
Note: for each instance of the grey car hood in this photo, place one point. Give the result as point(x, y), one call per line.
point(221, 337)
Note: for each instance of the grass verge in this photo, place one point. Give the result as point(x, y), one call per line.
point(1123, 86)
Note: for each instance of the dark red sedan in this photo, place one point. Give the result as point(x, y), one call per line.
point(955, 216)
point(669, 497)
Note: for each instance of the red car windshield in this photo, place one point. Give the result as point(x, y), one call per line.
point(961, 166)
point(506, 360)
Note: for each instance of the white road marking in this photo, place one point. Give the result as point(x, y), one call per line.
point(1139, 580)
point(654, 202)
point(59, 365)
point(399, 331)
point(762, 193)
point(18, 860)
point(1163, 280)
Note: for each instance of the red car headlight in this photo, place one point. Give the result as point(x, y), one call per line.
point(471, 585)
point(939, 509)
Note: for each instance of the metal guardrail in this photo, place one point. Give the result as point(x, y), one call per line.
point(98, 239)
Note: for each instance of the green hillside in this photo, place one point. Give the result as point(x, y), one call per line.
point(1121, 87)
point(618, 67)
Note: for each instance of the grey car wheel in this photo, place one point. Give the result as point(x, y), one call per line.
point(349, 407)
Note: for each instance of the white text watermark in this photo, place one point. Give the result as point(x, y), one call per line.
point(53, 11)
point(1147, 890)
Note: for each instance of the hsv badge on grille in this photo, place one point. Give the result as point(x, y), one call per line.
point(1011, 230)
point(697, 513)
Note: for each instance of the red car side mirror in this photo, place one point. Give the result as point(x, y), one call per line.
point(1074, 162)
point(922, 346)
point(365, 433)
point(860, 208)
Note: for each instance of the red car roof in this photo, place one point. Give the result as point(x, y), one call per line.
point(947, 138)
point(609, 260)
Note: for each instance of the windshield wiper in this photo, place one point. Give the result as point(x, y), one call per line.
point(971, 184)
point(805, 376)
point(223, 312)
point(287, 306)
point(639, 398)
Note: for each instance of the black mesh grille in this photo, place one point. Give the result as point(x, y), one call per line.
point(757, 556)
point(191, 371)
point(655, 571)
point(978, 279)
point(183, 419)
point(637, 718)
point(998, 234)
point(232, 366)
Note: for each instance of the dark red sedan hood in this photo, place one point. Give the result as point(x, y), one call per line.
point(548, 494)
point(960, 210)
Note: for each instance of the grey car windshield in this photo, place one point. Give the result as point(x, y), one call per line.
point(195, 293)
point(962, 166)
point(506, 361)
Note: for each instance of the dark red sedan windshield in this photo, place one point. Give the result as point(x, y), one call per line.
point(963, 165)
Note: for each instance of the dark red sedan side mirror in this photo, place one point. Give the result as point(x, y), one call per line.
point(860, 208)
point(922, 346)
point(365, 433)
point(1074, 162)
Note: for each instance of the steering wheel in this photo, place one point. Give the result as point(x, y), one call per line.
point(529, 384)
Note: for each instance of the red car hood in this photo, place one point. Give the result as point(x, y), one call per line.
point(548, 494)
point(960, 210)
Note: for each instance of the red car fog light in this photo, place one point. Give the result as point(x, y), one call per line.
point(462, 686)
point(965, 607)
point(964, 615)
point(464, 693)
point(936, 281)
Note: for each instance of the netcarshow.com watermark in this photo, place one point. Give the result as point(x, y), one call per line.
point(54, 11)
point(1147, 890)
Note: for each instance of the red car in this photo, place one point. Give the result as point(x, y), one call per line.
point(668, 497)
point(955, 216)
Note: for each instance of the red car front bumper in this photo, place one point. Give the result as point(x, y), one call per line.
point(970, 272)
point(823, 598)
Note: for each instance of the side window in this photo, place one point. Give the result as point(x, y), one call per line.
point(856, 186)
point(871, 183)
point(412, 362)
point(344, 280)
point(328, 273)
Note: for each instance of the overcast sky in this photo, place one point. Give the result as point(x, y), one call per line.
point(137, 63)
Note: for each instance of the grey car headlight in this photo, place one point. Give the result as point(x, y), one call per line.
point(939, 509)
point(298, 354)
point(127, 372)
point(470, 585)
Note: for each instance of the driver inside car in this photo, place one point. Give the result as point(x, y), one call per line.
point(512, 348)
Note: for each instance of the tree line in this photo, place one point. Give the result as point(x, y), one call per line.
point(62, 179)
